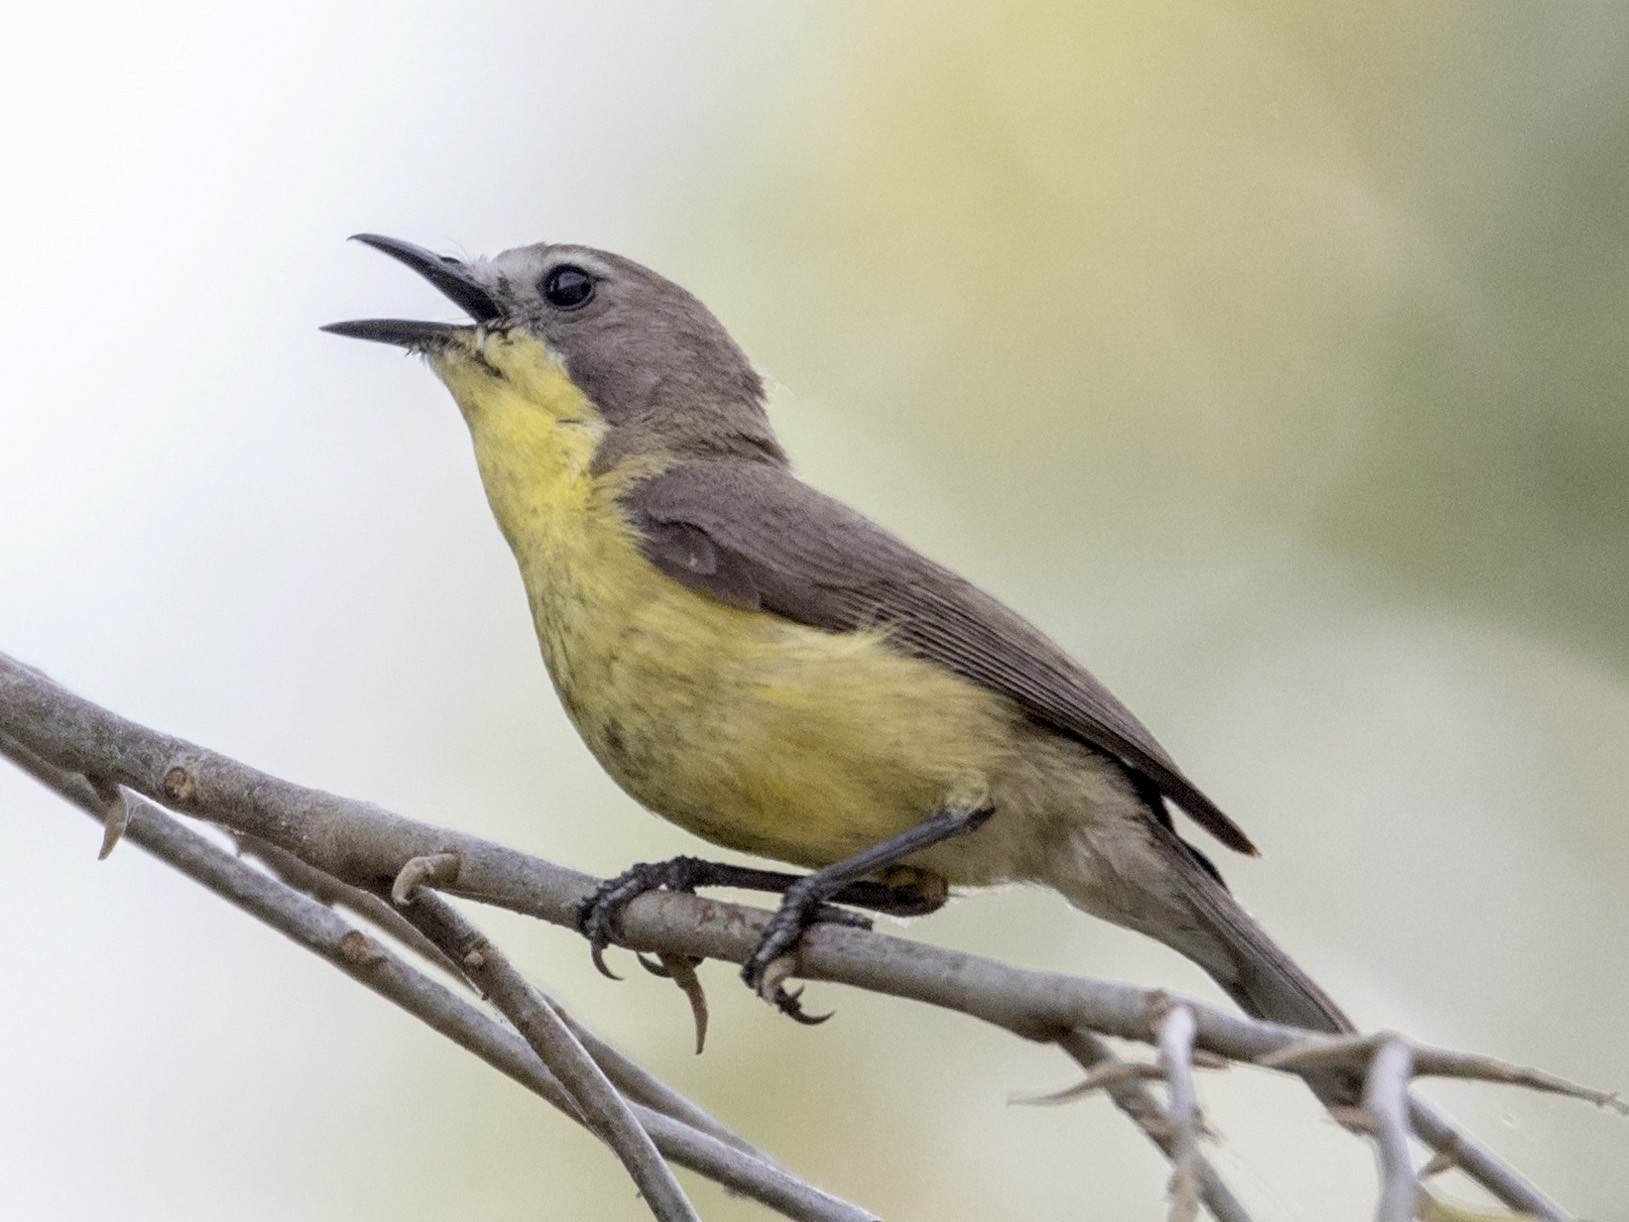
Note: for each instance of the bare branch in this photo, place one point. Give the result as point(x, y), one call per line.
point(1093, 1053)
point(707, 1148)
point(1355, 1051)
point(1385, 1096)
point(632, 1080)
point(1176, 1027)
point(1104, 1076)
point(603, 1108)
point(367, 846)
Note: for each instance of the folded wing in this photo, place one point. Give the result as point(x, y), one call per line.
point(752, 535)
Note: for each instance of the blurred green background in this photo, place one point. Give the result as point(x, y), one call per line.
point(1270, 356)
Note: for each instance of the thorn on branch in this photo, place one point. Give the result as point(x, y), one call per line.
point(434, 870)
point(1354, 1119)
point(115, 819)
point(1102, 1076)
point(1445, 1159)
point(681, 970)
point(1356, 1052)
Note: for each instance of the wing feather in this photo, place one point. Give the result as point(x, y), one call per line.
point(751, 534)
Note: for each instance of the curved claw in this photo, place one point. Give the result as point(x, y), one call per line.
point(772, 959)
point(594, 923)
point(596, 952)
point(597, 914)
point(765, 978)
point(653, 965)
point(767, 983)
point(789, 1004)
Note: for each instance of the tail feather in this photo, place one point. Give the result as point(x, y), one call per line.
point(1255, 972)
point(1128, 865)
point(1265, 981)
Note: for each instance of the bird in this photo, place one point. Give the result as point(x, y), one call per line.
point(769, 669)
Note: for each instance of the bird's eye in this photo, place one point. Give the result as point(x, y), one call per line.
point(568, 288)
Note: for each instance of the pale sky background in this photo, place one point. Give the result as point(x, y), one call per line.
point(1271, 357)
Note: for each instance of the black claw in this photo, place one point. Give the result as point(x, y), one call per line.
point(781, 936)
point(597, 915)
point(790, 1004)
point(778, 938)
point(594, 922)
point(596, 952)
point(802, 905)
point(653, 965)
point(799, 909)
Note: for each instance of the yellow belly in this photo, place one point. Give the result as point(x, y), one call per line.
point(755, 732)
point(764, 735)
point(748, 729)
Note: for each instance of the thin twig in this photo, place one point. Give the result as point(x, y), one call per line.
point(603, 1108)
point(1481, 1164)
point(726, 1159)
point(630, 1078)
point(1111, 1073)
point(1177, 1028)
point(1385, 1096)
point(1356, 1051)
point(326, 889)
point(1091, 1052)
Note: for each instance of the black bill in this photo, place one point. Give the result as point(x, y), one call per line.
point(449, 275)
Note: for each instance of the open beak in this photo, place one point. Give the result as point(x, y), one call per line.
point(446, 273)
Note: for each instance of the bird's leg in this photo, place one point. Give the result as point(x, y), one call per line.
point(597, 915)
point(804, 898)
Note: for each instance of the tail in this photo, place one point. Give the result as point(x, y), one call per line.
point(1253, 969)
point(1255, 972)
point(1188, 907)
point(1164, 888)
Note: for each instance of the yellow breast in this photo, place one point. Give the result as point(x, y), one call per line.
point(751, 730)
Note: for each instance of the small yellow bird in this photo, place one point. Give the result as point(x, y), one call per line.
point(776, 673)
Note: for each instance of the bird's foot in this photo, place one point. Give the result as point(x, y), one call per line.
point(775, 956)
point(598, 916)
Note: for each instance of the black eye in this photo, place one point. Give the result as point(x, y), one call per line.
point(568, 287)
